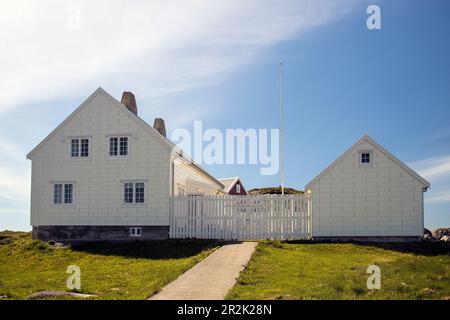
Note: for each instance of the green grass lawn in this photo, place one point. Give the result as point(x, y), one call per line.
point(113, 271)
point(283, 270)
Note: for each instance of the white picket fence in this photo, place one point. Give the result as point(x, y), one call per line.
point(240, 217)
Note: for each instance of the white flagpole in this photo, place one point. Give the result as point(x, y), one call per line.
point(282, 127)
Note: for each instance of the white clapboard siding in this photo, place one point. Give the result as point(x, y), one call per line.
point(258, 217)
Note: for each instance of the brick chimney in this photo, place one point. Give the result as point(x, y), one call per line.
point(129, 101)
point(160, 126)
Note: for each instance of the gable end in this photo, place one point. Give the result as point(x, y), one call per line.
point(366, 138)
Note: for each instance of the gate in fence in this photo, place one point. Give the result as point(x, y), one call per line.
point(258, 217)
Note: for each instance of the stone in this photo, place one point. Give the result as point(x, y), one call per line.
point(56, 294)
point(428, 291)
point(68, 234)
point(440, 232)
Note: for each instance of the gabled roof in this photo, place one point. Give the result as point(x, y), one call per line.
point(198, 168)
point(165, 142)
point(368, 139)
point(229, 183)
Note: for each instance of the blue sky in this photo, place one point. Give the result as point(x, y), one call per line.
point(219, 64)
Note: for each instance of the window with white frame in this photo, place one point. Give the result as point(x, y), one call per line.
point(238, 188)
point(181, 190)
point(118, 146)
point(79, 147)
point(139, 192)
point(134, 192)
point(135, 232)
point(123, 146)
point(365, 158)
point(63, 193)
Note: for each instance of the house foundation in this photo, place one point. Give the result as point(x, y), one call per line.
point(98, 233)
point(374, 239)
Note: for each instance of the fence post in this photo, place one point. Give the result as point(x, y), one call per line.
point(170, 217)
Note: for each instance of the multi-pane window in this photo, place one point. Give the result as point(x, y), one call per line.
point(135, 231)
point(79, 147)
point(63, 193)
point(113, 146)
point(238, 188)
point(123, 146)
point(181, 190)
point(128, 192)
point(140, 187)
point(365, 158)
point(57, 193)
point(84, 152)
point(118, 146)
point(134, 192)
point(75, 148)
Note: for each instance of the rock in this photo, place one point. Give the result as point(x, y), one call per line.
point(56, 294)
point(429, 238)
point(445, 238)
point(439, 233)
point(428, 291)
point(427, 232)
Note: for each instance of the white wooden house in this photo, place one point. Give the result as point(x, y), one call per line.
point(367, 193)
point(104, 173)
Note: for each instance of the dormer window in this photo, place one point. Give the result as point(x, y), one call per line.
point(118, 146)
point(79, 147)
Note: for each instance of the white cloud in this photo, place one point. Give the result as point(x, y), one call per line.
point(437, 171)
point(14, 186)
point(440, 197)
point(433, 168)
point(152, 47)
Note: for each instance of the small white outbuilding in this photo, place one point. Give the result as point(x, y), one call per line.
point(367, 193)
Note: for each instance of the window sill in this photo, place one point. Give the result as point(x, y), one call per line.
point(134, 205)
point(79, 158)
point(118, 158)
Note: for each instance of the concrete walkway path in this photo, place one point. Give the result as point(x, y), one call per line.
point(213, 277)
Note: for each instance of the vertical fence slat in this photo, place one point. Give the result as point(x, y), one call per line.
point(240, 217)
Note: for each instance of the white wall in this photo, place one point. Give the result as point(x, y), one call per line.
point(98, 187)
point(192, 181)
point(379, 200)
